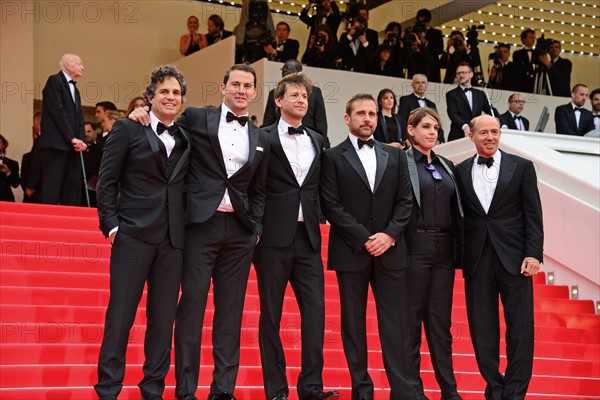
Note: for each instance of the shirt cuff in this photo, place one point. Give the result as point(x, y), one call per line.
point(113, 230)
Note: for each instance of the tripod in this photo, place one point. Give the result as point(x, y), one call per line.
point(542, 83)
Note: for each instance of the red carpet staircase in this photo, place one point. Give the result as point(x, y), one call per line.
point(54, 290)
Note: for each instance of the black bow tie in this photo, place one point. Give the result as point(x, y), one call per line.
point(231, 116)
point(160, 128)
point(487, 161)
point(515, 117)
point(421, 98)
point(577, 109)
point(597, 116)
point(73, 82)
point(296, 131)
point(369, 143)
point(466, 89)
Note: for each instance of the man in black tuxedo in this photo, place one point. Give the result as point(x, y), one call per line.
point(433, 41)
point(502, 249)
point(366, 196)
point(572, 118)
point(595, 103)
point(524, 59)
point(315, 118)
point(504, 74)
point(216, 29)
point(357, 46)
point(558, 70)
point(63, 135)
point(9, 173)
point(464, 103)
point(290, 247)
point(140, 206)
point(415, 100)
point(284, 48)
point(512, 118)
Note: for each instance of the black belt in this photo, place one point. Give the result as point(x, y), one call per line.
point(433, 230)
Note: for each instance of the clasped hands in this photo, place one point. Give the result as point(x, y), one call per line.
point(379, 243)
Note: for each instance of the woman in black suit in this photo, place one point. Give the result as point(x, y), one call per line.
point(322, 49)
point(431, 239)
point(389, 127)
point(9, 173)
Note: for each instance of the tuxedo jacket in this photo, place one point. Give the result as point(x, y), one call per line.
point(409, 103)
point(211, 40)
point(526, 69)
point(139, 189)
point(459, 111)
point(559, 75)
point(62, 118)
point(315, 118)
point(457, 223)
point(508, 120)
point(291, 48)
point(381, 132)
point(6, 193)
point(355, 212)
point(207, 178)
point(566, 123)
point(513, 223)
point(358, 62)
point(284, 195)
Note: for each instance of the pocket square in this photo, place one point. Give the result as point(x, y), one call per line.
point(258, 148)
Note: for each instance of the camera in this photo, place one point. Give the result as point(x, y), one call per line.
point(457, 43)
point(472, 35)
point(542, 46)
point(359, 31)
point(320, 40)
point(495, 57)
point(391, 38)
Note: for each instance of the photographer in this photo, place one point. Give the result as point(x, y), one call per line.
point(383, 63)
point(321, 51)
point(558, 69)
point(419, 59)
point(503, 73)
point(457, 52)
point(284, 48)
point(327, 12)
point(433, 41)
point(355, 48)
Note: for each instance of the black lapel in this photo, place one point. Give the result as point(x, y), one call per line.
point(153, 141)
point(184, 156)
point(507, 170)
point(315, 142)
point(213, 117)
point(352, 158)
point(466, 176)
point(253, 133)
point(382, 159)
point(414, 175)
point(277, 150)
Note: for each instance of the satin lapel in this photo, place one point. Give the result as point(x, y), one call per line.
point(212, 129)
point(382, 160)
point(277, 150)
point(352, 158)
point(153, 141)
point(466, 176)
point(184, 156)
point(414, 175)
point(466, 100)
point(318, 150)
point(458, 197)
point(507, 170)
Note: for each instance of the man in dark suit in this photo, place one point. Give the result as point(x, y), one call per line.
point(63, 135)
point(502, 249)
point(524, 59)
point(504, 74)
point(315, 118)
point(512, 118)
point(290, 248)
point(9, 173)
point(433, 41)
point(464, 103)
point(357, 47)
point(216, 29)
point(31, 165)
point(572, 118)
point(366, 196)
point(415, 100)
point(558, 70)
point(284, 48)
point(328, 13)
point(140, 206)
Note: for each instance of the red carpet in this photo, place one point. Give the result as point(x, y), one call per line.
point(54, 290)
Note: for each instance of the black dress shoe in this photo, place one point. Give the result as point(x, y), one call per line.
point(189, 396)
point(221, 396)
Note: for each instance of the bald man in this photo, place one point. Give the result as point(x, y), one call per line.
point(63, 135)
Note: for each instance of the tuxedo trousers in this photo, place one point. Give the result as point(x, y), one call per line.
point(134, 262)
point(482, 289)
point(218, 250)
point(302, 267)
point(62, 177)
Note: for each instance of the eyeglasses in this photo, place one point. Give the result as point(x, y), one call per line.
point(434, 172)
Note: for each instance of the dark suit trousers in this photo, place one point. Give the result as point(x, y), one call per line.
point(132, 263)
point(62, 179)
point(516, 291)
point(391, 299)
point(299, 264)
point(220, 249)
point(430, 287)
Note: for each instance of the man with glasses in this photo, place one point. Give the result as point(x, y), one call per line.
point(464, 103)
point(512, 118)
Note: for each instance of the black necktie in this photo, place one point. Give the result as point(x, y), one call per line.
point(296, 131)
point(231, 116)
point(517, 117)
point(160, 128)
point(487, 161)
point(369, 143)
point(577, 109)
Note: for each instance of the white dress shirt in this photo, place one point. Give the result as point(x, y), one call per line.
point(485, 180)
point(71, 86)
point(167, 139)
point(235, 146)
point(300, 152)
point(367, 158)
point(577, 114)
